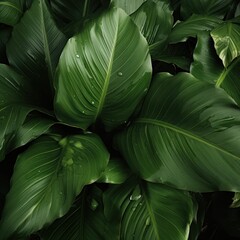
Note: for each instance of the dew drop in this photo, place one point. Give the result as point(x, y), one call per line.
point(145, 90)
point(136, 194)
point(78, 145)
point(93, 102)
point(39, 171)
point(120, 74)
point(94, 204)
point(83, 111)
point(148, 221)
point(77, 56)
point(61, 193)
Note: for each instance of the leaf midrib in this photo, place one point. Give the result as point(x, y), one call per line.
point(108, 76)
point(185, 133)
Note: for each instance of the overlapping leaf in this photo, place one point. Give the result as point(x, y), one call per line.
point(47, 178)
point(187, 136)
point(149, 211)
point(10, 12)
point(35, 47)
point(216, 8)
point(208, 67)
point(226, 40)
point(103, 72)
point(192, 26)
point(85, 220)
point(155, 23)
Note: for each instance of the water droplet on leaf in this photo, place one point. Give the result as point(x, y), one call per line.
point(136, 194)
point(120, 74)
point(148, 221)
point(94, 204)
point(77, 56)
point(93, 102)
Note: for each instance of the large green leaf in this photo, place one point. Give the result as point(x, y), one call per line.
point(187, 136)
point(192, 26)
point(103, 72)
point(226, 40)
point(85, 220)
point(208, 67)
point(149, 211)
point(10, 11)
point(35, 47)
point(128, 6)
point(47, 178)
point(16, 101)
point(155, 21)
point(216, 8)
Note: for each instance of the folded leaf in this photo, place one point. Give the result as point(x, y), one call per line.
point(35, 46)
point(149, 211)
point(85, 220)
point(192, 26)
point(155, 22)
point(47, 178)
point(186, 136)
point(10, 12)
point(103, 72)
point(226, 39)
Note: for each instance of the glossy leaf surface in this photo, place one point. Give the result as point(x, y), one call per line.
point(47, 178)
point(149, 211)
point(35, 47)
point(155, 22)
point(208, 67)
point(226, 40)
point(84, 220)
point(186, 136)
point(103, 72)
point(192, 26)
point(128, 6)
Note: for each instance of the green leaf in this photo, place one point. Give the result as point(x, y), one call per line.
point(70, 15)
point(35, 47)
point(47, 178)
point(226, 41)
point(128, 6)
point(192, 26)
point(10, 12)
point(186, 136)
point(16, 101)
point(85, 220)
point(103, 72)
point(178, 54)
point(236, 200)
point(149, 211)
point(116, 172)
point(216, 8)
point(155, 22)
point(208, 67)
point(34, 126)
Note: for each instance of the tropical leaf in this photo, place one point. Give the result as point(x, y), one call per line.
point(71, 12)
point(187, 136)
point(226, 39)
point(216, 8)
point(16, 101)
point(192, 26)
point(10, 12)
point(85, 220)
point(208, 67)
point(35, 125)
point(155, 22)
point(47, 178)
point(116, 172)
point(103, 72)
point(128, 6)
point(35, 47)
point(236, 200)
point(149, 211)
point(178, 54)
